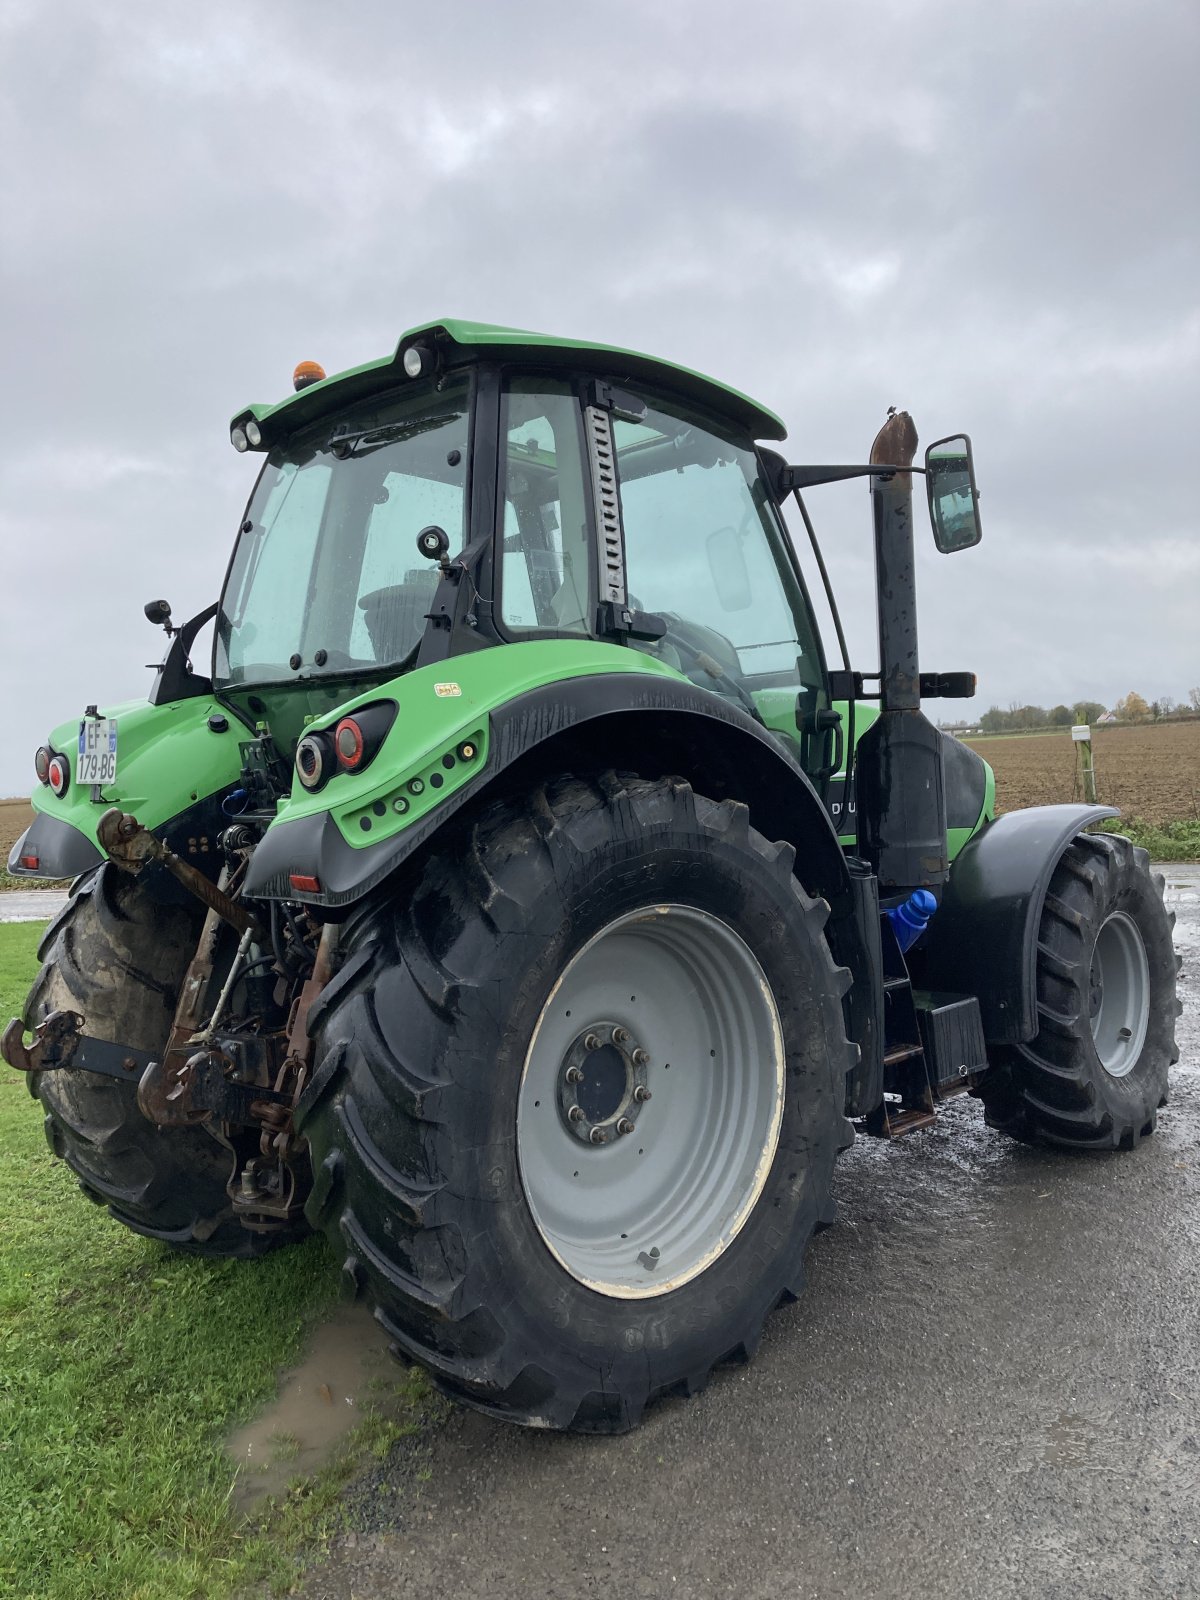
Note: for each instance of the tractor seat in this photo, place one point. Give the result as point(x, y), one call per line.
point(395, 616)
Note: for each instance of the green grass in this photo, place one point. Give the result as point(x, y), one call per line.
point(1166, 841)
point(10, 880)
point(122, 1367)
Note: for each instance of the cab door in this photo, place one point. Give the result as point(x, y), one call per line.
point(705, 551)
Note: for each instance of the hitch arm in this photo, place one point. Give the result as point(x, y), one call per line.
point(131, 846)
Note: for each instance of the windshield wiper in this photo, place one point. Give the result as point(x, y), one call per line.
point(346, 444)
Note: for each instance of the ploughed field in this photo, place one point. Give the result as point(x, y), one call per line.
point(1150, 772)
point(15, 817)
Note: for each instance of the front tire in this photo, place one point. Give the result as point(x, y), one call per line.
point(597, 922)
point(1095, 1074)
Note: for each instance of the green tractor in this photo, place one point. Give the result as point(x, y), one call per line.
point(523, 901)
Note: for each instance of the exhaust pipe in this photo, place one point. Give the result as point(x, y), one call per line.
point(899, 785)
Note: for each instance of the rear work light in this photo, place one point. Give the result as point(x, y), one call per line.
point(314, 760)
point(58, 775)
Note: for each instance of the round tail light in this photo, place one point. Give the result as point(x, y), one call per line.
point(349, 743)
point(41, 763)
point(313, 760)
point(58, 774)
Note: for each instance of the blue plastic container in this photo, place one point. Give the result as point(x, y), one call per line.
point(910, 920)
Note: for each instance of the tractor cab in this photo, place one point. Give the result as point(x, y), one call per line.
point(505, 491)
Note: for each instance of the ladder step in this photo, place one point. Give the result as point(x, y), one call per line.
point(902, 1052)
point(902, 1122)
point(897, 983)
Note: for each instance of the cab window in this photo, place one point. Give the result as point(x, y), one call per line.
point(545, 574)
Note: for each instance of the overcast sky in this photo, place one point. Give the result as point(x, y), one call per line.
point(987, 214)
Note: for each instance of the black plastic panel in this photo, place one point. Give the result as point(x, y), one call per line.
point(62, 851)
point(966, 783)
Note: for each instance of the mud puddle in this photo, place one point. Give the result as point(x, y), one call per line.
point(346, 1367)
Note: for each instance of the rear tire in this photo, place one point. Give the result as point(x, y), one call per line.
point(118, 956)
point(1095, 1074)
point(428, 1032)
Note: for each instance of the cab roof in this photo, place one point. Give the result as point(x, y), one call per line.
point(457, 343)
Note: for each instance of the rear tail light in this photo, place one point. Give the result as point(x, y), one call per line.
point(349, 742)
point(42, 758)
point(314, 760)
point(30, 863)
point(58, 775)
point(303, 884)
point(358, 737)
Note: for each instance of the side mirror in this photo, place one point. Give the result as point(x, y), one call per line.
point(731, 578)
point(953, 497)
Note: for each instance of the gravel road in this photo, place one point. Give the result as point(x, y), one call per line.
point(991, 1388)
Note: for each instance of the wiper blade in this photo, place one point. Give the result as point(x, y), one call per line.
point(344, 443)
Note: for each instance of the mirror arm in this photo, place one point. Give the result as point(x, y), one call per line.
point(791, 478)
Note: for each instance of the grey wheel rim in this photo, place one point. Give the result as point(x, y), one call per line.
point(1119, 994)
point(650, 1102)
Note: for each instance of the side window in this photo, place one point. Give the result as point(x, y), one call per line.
point(545, 582)
point(703, 549)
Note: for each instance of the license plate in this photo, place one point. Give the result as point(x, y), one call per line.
point(97, 750)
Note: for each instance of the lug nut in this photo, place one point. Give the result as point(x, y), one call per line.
point(641, 1094)
point(591, 1042)
point(598, 1136)
point(575, 1114)
point(624, 1126)
point(620, 1035)
point(641, 1058)
point(574, 1074)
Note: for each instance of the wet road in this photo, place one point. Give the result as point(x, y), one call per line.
point(31, 905)
point(991, 1388)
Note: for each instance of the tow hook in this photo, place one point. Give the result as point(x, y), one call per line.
point(58, 1043)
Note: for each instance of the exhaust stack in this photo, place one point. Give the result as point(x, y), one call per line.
point(899, 786)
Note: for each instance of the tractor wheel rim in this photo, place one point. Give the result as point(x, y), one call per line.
point(1120, 994)
point(651, 1205)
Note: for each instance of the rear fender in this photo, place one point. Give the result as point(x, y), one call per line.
point(983, 939)
point(628, 720)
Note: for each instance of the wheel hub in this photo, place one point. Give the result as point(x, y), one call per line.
point(676, 1002)
point(1119, 998)
point(602, 1083)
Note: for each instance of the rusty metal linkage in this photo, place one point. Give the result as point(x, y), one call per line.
point(131, 846)
point(54, 1042)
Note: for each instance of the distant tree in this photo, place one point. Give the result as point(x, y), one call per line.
point(1087, 711)
point(1132, 708)
point(994, 720)
point(1030, 717)
point(1194, 699)
point(1162, 708)
point(1061, 717)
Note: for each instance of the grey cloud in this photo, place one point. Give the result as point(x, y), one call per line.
point(986, 214)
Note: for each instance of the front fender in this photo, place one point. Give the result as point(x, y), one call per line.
point(983, 940)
